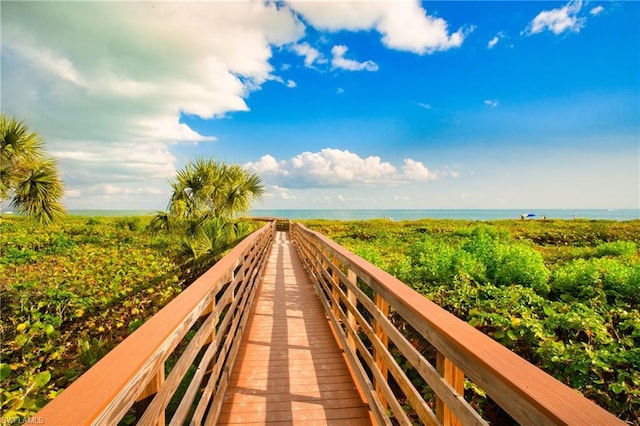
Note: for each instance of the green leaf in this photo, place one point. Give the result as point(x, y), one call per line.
point(617, 388)
point(5, 371)
point(21, 339)
point(41, 379)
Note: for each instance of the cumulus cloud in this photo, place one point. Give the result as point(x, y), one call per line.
point(491, 102)
point(558, 20)
point(106, 83)
point(337, 168)
point(339, 61)
point(311, 54)
point(416, 171)
point(279, 192)
point(402, 25)
point(423, 105)
point(596, 10)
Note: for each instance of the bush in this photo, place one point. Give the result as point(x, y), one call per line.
point(611, 280)
point(617, 248)
point(519, 264)
point(431, 262)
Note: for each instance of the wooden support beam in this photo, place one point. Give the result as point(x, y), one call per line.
point(150, 391)
point(383, 307)
point(455, 377)
point(353, 299)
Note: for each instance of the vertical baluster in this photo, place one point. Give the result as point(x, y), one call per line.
point(455, 377)
point(383, 307)
point(146, 396)
point(335, 295)
point(351, 319)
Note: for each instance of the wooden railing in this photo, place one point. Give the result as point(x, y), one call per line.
point(372, 312)
point(181, 358)
point(196, 336)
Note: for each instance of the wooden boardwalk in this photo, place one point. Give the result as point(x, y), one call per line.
point(290, 369)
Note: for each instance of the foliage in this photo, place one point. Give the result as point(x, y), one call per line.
point(209, 188)
point(564, 295)
point(28, 178)
point(206, 196)
point(70, 292)
point(73, 290)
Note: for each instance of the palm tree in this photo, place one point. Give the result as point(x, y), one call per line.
point(207, 188)
point(207, 196)
point(28, 178)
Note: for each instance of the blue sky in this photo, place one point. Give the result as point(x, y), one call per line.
point(335, 104)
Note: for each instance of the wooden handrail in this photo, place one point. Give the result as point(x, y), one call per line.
point(346, 283)
point(131, 378)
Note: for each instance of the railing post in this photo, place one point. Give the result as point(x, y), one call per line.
point(455, 377)
point(146, 396)
point(383, 307)
point(351, 319)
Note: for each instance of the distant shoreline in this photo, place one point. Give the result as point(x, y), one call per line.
point(409, 214)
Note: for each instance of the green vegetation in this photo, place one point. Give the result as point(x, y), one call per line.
point(206, 196)
point(71, 292)
point(564, 295)
point(28, 178)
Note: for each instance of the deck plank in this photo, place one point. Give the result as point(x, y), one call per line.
point(290, 369)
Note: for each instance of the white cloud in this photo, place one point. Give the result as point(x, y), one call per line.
point(108, 102)
point(112, 189)
point(311, 54)
point(268, 165)
point(558, 20)
point(339, 61)
point(340, 91)
point(291, 84)
point(423, 105)
point(337, 168)
point(415, 170)
point(596, 10)
point(497, 39)
point(280, 193)
point(333, 167)
point(403, 25)
point(491, 102)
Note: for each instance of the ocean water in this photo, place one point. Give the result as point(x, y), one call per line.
point(463, 214)
point(398, 215)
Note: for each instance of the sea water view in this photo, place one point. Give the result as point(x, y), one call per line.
point(411, 214)
point(462, 214)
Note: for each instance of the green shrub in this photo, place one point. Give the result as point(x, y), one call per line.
point(609, 279)
point(519, 264)
point(617, 248)
point(431, 262)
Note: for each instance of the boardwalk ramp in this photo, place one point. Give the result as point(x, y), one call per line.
point(290, 368)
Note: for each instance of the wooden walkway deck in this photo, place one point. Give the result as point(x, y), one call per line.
point(290, 369)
